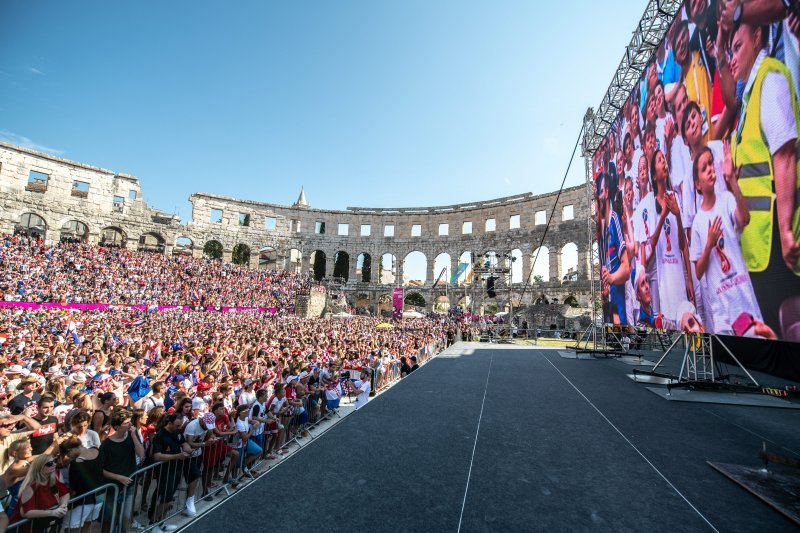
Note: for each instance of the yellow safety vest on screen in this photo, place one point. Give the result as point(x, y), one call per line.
point(752, 158)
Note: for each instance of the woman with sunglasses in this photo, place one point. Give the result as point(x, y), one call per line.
point(20, 453)
point(42, 498)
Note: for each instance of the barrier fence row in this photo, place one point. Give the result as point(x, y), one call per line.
point(160, 489)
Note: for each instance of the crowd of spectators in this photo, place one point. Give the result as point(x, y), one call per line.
point(89, 398)
point(32, 271)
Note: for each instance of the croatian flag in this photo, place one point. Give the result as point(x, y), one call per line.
point(154, 350)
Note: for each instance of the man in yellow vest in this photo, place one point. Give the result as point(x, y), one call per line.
point(764, 148)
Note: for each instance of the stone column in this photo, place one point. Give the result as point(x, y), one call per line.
point(585, 263)
point(351, 269)
point(555, 265)
point(526, 268)
point(398, 282)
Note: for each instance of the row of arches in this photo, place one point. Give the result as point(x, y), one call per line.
point(385, 269)
point(33, 225)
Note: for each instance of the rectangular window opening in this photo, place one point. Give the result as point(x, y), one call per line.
point(343, 229)
point(388, 230)
point(416, 230)
point(80, 189)
point(216, 215)
point(568, 213)
point(319, 227)
point(366, 230)
point(540, 218)
point(490, 224)
point(514, 222)
point(37, 181)
point(270, 223)
point(466, 229)
point(444, 230)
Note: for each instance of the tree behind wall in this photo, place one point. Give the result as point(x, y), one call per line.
point(366, 269)
point(415, 299)
point(241, 254)
point(319, 266)
point(213, 250)
point(341, 266)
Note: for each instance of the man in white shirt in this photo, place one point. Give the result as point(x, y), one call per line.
point(363, 388)
point(156, 399)
point(195, 435)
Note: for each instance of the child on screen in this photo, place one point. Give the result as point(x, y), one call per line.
point(717, 255)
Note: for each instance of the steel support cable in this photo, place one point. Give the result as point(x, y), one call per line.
point(549, 219)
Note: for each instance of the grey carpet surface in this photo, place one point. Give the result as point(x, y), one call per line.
point(609, 456)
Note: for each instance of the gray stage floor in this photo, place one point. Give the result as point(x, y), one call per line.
point(562, 445)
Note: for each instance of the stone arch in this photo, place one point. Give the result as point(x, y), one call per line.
point(317, 264)
point(364, 267)
point(516, 266)
point(541, 264)
point(113, 237)
point(213, 249)
point(183, 246)
point(240, 255)
point(442, 261)
point(569, 262)
point(465, 276)
point(385, 304)
point(341, 265)
point(294, 260)
point(415, 298)
point(152, 242)
point(415, 269)
point(268, 258)
point(74, 231)
point(387, 270)
point(32, 225)
point(361, 300)
point(441, 304)
point(490, 258)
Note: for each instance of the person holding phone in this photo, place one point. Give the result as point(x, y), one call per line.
point(717, 254)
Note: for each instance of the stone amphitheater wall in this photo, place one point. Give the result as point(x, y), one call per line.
point(106, 199)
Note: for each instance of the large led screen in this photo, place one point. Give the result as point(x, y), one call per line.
point(697, 180)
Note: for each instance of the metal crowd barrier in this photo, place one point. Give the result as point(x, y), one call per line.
point(96, 508)
point(158, 491)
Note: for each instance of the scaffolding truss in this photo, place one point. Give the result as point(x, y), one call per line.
point(647, 36)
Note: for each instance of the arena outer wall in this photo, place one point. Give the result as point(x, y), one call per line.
point(110, 206)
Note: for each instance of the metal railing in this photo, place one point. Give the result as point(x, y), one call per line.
point(159, 491)
point(98, 507)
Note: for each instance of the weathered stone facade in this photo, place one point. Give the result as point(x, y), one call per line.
point(290, 237)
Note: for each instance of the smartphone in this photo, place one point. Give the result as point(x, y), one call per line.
point(743, 324)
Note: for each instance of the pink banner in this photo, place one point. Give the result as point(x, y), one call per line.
point(397, 303)
point(105, 307)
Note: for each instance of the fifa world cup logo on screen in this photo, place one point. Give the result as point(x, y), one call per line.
point(667, 231)
point(646, 226)
point(723, 259)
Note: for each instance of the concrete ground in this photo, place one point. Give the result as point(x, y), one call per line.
point(498, 437)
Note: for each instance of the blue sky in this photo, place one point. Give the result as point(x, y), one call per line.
point(365, 103)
